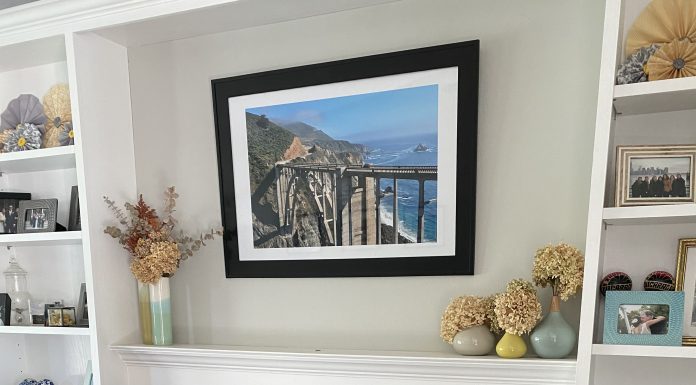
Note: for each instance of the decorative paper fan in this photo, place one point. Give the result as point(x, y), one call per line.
point(662, 22)
point(56, 104)
point(673, 60)
point(24, 109)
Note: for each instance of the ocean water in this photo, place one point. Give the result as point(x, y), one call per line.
point(401, 154)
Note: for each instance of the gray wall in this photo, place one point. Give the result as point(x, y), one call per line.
point(539, 76)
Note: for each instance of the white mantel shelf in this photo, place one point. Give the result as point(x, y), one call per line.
point(427, 366)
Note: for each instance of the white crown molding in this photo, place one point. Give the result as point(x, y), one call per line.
point(365, 364)
point(52, 17)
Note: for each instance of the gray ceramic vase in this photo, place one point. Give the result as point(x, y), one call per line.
point(553, 337)
point(474, 341)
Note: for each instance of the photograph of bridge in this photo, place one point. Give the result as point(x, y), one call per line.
point(351, 170)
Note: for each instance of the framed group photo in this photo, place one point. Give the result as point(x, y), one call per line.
point(654, 175)
point(358, 167)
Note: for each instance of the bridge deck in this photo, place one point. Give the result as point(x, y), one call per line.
point(399, 172)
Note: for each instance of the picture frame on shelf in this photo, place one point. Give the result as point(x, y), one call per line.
point(685, 280)
point(643, 318)
point(55, 317)
point(655, 175)
point(82, 308)
point(74, 222)
point(37, 216)
point(314, 160)
point(5, 309)
point(9, 208)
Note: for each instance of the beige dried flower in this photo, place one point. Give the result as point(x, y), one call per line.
point(462, 313)
point(492, 319)
point(561, 267)
point(161, 261)
point(518, 309)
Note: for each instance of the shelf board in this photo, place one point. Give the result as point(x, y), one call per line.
point(664, 214)
point(42, 330)
point(42, 239)
point(45, 159)
point(644, 351)
point(657, 96)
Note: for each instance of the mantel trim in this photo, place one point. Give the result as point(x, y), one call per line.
point(365, 364)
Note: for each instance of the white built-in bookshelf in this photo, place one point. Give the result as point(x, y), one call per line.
point(636, 240)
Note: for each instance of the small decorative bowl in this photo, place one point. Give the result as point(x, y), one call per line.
point(615, 281)
point(659, 281)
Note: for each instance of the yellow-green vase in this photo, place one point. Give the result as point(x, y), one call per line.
point(511, 346)
point(144, 312)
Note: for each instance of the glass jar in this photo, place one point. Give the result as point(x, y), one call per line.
point(17, 288)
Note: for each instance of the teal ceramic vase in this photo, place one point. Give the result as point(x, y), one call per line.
point(553, 337)
point(161, 312)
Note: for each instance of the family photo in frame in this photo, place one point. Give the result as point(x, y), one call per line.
point(654, 175)
point(359, 167)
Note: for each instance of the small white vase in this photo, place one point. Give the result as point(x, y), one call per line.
point(474, 341)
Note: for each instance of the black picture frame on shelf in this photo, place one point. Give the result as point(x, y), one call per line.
point(74, 221)
point(343, 194)
point(82, 309)
point(5, 309)
point(37, 216)
point(9, 209)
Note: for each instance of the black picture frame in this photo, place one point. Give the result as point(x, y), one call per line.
point(5, 309)
point(47, 208)
point(9, 211)
point(463, 56)
point(74, 222)
point(82, 307)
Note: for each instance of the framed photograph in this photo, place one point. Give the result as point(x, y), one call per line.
point(9, 206)
point(359, 167)
point(82, 312)
point(74, 222)
point(37, 216)
point(643, 318)
point(654, 175)
point(55, 317)
point(5, 309)
point(685, 280)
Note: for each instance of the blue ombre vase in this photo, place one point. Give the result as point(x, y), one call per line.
point(553, 337)
point(161, 310)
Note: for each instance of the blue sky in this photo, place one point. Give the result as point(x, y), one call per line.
point(365, 117)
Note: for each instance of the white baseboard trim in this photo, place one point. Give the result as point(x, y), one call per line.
point(438, 367)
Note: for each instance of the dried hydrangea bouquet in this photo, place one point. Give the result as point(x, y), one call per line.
point(517, 311)
point(156, 250)
point(561, 267)
point(468, 324)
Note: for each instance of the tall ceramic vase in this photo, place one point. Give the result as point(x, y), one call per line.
point(144, 312)
point(161, 309)
point(553, 337)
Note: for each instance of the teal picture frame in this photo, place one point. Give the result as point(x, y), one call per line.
point(615, 313)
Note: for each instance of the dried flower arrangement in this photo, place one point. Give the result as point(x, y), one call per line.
point(465, 312)
point(561, 267)
point(518, 309)
point(156, 250)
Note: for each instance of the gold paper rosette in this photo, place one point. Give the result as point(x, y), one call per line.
point(58, 112)
point(674, 60)
point(662, 22)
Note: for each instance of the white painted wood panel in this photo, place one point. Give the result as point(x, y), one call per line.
point(246, 365)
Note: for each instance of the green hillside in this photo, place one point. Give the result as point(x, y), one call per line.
point(267, 143)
